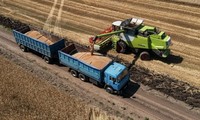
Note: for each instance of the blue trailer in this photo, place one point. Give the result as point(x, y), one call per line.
point(39, 41)
point(98, 69)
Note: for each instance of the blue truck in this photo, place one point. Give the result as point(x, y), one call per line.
point(98, 69)
point(40, 41)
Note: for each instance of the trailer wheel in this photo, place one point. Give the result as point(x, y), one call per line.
point(47, 59)
point(109, 90)
point(83, 77)
point(23, 48)
point(144, 56)
point(121, 47)
point(73, 73)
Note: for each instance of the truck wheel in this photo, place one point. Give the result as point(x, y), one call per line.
point(47, 60)
point(74, 73)
point(121, 47)
point(82, 77)
point(23, 48)
point(109, 90)
point(120, 92)
point(144, 56)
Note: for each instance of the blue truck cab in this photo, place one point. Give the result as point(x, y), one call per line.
point(116, 76)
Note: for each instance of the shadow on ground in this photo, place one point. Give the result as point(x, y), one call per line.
point(131, 89)
point(171, 59)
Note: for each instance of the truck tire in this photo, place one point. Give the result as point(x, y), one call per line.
point(109, 90)
point(23, 48)
point(82, 77)
point(144, 55)
point(121, 47)
point(47, 60)
point(73, 73)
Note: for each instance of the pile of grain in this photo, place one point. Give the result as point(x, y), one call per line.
point(96, 60)
point(40, 37)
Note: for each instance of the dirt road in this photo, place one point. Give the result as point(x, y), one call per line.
point(143, 103)
point(80, 19)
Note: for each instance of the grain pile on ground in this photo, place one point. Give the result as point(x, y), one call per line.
point(96, 60)
point(38, 36)
point(24, 96)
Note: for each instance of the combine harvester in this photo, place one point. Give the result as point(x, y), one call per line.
point(96, 68)
point(133, 34)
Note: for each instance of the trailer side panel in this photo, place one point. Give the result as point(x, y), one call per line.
point(74, 63)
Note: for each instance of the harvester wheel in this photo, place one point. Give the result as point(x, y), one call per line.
point(109, 90)
point(23, 48)
point(73, 73)
point(47, 60)
point(121, 47)
point(83, 77)
point(144, 56)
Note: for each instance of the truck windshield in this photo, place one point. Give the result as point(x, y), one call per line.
point(122, 75)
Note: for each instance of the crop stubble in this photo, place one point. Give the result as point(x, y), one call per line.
point(79, 17)
point(25, 96)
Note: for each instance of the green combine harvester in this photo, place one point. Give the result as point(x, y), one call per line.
point(132, 34)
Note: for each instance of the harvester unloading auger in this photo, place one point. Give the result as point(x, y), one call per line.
point(133, 34)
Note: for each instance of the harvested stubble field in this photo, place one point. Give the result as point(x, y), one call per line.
point(25, 96)
point(80, 19)
point(168, 85)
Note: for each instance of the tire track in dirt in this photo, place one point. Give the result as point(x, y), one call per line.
point(86, 11)
point(74, 18)
point(67, 15)
point(48, 23)
point(70, 26)
point(71, 19)
point(57, 28)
